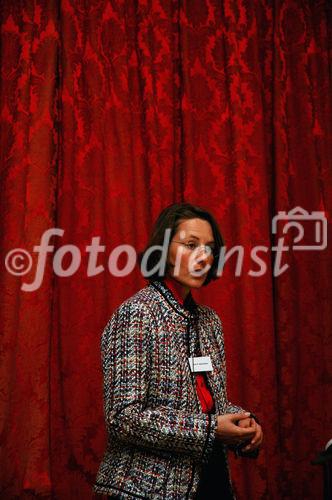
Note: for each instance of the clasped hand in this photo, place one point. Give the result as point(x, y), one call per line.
point(236, 428)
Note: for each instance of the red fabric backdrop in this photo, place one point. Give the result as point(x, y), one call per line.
point(112, 110)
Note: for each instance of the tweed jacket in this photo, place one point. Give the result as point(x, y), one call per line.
point(158, 437)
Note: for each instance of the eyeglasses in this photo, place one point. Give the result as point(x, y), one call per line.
point(210, 250)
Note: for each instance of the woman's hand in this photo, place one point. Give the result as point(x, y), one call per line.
point(258, 436)
point(246, 422)
point(230, 432)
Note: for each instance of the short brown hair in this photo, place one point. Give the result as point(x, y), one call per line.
point(170, 217)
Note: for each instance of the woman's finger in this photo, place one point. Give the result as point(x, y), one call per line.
point(257, 439)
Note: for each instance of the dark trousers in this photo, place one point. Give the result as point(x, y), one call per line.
point(214, 483)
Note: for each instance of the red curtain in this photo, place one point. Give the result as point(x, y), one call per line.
point(110, 111)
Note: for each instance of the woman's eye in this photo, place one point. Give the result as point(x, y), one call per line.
point(192, 246)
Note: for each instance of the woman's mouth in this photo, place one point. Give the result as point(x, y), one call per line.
point(198, 276)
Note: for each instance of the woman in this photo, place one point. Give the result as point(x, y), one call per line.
point(168, 418)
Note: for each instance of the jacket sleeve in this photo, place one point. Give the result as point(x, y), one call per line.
point(230, 407)
point(126, 370)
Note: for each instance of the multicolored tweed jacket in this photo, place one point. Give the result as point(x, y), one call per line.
point(158, 437)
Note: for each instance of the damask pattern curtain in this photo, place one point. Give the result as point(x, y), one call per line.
point(110, 111)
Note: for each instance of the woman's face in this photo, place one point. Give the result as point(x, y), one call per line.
point(186, 249)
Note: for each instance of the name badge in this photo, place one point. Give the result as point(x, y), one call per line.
point(200, 364)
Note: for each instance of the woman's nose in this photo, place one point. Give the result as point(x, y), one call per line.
point(203, 252)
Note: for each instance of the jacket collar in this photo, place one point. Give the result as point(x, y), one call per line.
point(189, 307)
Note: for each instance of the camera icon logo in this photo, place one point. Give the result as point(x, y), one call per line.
point(296, 218)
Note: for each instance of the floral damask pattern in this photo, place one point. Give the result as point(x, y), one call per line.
point(111, 110)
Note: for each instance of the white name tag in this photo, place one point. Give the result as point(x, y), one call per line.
point(200, 364)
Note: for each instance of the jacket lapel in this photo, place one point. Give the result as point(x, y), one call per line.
point(208, 345)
